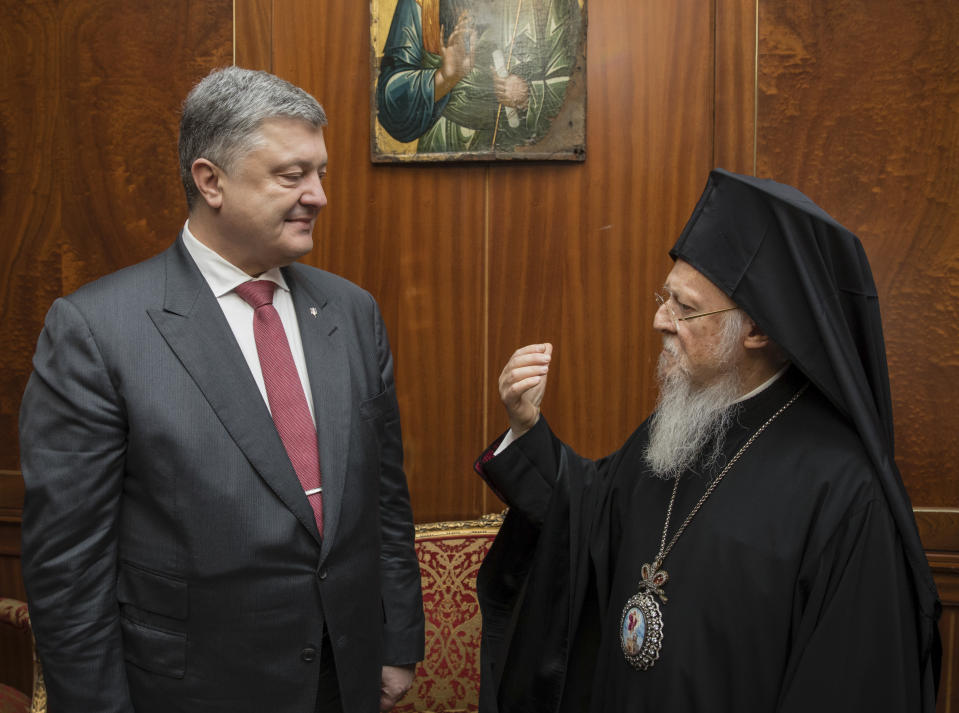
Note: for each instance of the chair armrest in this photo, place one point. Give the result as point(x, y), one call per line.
point(14, 613)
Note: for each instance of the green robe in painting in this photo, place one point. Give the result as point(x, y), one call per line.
point(538, 41)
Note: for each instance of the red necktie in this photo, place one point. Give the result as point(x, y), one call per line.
point(284, 391)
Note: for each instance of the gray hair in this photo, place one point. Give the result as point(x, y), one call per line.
point(734, 328)
point(223, 113)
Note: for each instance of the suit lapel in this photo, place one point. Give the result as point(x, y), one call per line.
point(194, 327)
point(327, 363)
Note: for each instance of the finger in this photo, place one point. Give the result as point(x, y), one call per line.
point(513, 394)
point(527, 360)
point(534, 348)
point(526, 355)
point(510, 378)
point(388, 700)
point(525, 372)
point(456, 37)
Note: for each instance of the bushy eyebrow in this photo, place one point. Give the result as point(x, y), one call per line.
point(686, 298)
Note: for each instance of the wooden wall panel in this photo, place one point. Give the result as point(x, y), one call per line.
point(119, 115)
point(859, 108)
point(29, 200)
point(89, 171)
point(253, 33)
point(735, 118)
point(414, 237)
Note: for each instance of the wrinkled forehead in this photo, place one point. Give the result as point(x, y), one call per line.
point(691, 286)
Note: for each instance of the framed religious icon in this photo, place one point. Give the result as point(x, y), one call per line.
point(456, 80)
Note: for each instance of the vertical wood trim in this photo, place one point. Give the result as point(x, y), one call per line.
point(253, 34)
point(755, 86)
point(736, 45)
point(484, 497)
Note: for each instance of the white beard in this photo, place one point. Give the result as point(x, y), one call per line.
point(688, 427)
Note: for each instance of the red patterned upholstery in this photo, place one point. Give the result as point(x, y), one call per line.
point(450, 555)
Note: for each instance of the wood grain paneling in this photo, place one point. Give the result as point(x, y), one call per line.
point(735, 125)
point(89, 171)
point(119, 113)
point(253, 30)
point(859, 108)
point(30, 205)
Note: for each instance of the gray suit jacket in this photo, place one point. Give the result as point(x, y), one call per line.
point(171, 559)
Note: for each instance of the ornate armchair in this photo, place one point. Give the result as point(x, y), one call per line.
point(450, 555)
point(13, 613)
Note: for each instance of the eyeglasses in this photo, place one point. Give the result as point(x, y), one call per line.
point(663, 299)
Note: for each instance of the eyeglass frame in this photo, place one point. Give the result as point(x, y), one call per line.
point(658, 296)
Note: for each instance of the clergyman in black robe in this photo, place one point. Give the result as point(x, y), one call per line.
point(796, 581)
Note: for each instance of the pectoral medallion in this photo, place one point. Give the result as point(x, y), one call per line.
point(641, 626)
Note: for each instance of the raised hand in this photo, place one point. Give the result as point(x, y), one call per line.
point(522, 384)
point(457, 57)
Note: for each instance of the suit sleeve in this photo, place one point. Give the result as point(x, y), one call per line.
point(72, 445)
point(401, 589)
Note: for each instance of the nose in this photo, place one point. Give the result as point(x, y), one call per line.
point(313, 193)
point(663, 321)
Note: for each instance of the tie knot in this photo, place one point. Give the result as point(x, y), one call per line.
point(256, 292)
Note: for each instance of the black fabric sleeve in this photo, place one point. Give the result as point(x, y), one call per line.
point(523, 475)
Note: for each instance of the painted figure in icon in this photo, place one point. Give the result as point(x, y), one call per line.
point(634, 632)
point(485, 75)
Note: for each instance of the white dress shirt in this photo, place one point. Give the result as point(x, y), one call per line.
point(223, 277)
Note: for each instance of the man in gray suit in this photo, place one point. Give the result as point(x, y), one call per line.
point(185, 548)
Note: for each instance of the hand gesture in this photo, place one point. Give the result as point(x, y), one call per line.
point(522, 384)
point(457, 57)
point(511, 90)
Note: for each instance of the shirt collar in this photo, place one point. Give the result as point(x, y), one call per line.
point(221, 275)
point(763, 386)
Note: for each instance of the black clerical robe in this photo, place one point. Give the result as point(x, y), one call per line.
point(788, 591)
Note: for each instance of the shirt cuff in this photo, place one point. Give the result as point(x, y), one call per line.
point(507, 439)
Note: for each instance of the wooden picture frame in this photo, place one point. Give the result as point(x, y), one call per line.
point(488, 80)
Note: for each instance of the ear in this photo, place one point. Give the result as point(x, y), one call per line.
point(756, 338)
point(206, 176)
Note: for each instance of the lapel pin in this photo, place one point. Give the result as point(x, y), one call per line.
point(313, 312)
